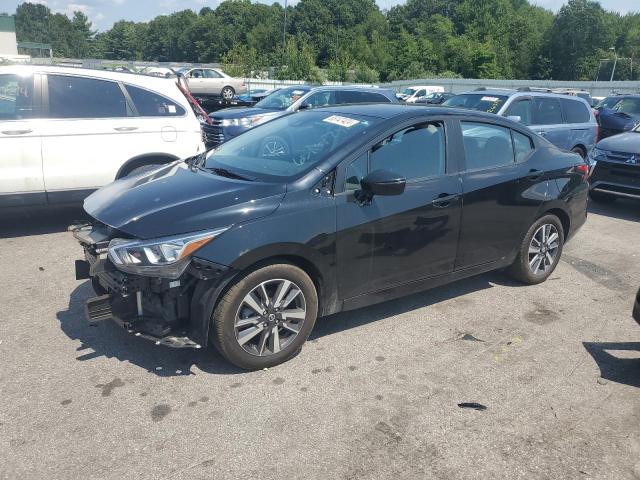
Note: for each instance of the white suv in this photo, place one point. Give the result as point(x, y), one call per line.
point(64, 132)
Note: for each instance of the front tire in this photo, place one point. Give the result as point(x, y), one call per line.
point(540, 251)
point(265, 317)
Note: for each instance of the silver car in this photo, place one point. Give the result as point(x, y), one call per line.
point(212, 82)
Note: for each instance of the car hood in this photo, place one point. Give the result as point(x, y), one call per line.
point(245, 112)
point(176, 199)
point(625, 142)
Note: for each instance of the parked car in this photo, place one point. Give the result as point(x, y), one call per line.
point(615, 163)
point(435, 98)
point(411, 94)
point(327, 210)
point(566, 121)
point(212, 82)
point(618, 114)
point(64, 132)
point(229, 123)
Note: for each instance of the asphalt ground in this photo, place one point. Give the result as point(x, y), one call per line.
point(374, 394)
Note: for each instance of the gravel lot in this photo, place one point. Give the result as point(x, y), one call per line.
point(373, 395)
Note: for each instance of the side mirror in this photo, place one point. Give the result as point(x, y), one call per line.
point(305, 106)
point(381, 182)
point(515, 118)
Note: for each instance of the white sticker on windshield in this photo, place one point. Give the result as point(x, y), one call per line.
point(490, 99)
point(297, 92)
point(172, 108)
point(342, 121)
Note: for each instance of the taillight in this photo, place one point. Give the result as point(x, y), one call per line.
point(582, 169)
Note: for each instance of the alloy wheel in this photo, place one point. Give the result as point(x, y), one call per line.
point(270, 317)
point(227, 93)
point(543, 249)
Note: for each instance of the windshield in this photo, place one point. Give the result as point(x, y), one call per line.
point(630, 106)
point(608, 102)
point(476, 101)
point(409, 91)
point(282, 99)
point(290, 146)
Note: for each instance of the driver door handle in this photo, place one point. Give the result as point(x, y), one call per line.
point(444, 200)
point(17, 132)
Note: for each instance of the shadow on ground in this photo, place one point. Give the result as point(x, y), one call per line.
point(622, 209)
point(106, 339)
point(616, 368)
point(19, 222)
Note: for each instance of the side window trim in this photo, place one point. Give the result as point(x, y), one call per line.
point(132, 111)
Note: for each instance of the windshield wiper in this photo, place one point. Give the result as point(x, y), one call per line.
point(223, 172)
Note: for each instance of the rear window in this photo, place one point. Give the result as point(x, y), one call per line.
point(362, 97)
point(79, 97)
point(546, 111)
point(151, 104)
point(574, 111)
point(485, 102)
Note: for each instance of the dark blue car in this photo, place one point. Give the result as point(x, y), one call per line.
point(231, 122)
point(618, 114)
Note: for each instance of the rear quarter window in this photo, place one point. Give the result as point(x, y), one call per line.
point(575, 111)
point(150, 104)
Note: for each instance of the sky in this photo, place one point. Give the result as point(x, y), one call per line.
point(103, 13)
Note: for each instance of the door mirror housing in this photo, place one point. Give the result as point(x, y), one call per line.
point(515, 118)
point(305, 106)
point(382, 182)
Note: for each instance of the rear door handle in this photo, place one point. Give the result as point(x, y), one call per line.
point(125, 129)
point(17, 132)
point(444, 200)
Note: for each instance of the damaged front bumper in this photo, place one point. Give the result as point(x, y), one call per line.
point(166, 311)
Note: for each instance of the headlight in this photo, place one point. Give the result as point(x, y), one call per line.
point(241, 122)
point(166, 257)
point(595, 155)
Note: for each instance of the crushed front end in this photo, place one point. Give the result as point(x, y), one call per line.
point(147, 287)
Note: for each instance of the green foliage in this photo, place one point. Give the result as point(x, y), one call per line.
point(353, 40)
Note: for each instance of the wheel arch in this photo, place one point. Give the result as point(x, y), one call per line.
point(581, 147)
point(156, 158)
point(563, 216)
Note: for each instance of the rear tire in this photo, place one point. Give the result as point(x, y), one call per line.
point(601, 197)
point(539, 252)
point(254, 327)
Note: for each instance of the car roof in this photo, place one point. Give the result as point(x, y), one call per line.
point(522, 93)
point(396, 110)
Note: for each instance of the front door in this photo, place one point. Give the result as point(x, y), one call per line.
point(398, 239)
point(21, 180)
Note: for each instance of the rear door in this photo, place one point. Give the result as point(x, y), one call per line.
point(502, 192)
point(88, 134)
point(214, 81)
point(197, 82)
point(399, 239)
point(580, 123)
point(548, 121)
point(21, 181)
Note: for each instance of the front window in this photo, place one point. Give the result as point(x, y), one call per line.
point(16, 97)
point(629, 106)
point(288, 147)
point(282, 99)
point(483, 102)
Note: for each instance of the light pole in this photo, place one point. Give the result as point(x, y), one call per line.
point(284, 28)
point(615, 61)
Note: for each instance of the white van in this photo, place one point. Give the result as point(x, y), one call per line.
point(65, 132)
point(411, 94)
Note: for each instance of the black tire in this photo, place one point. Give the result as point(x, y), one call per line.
point(223, 320)
point(580, 151)
point(227, 93)
point(520, 269)
point(601, 197)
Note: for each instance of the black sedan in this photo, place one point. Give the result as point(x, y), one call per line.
point(615, 163)
point(323, 211)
